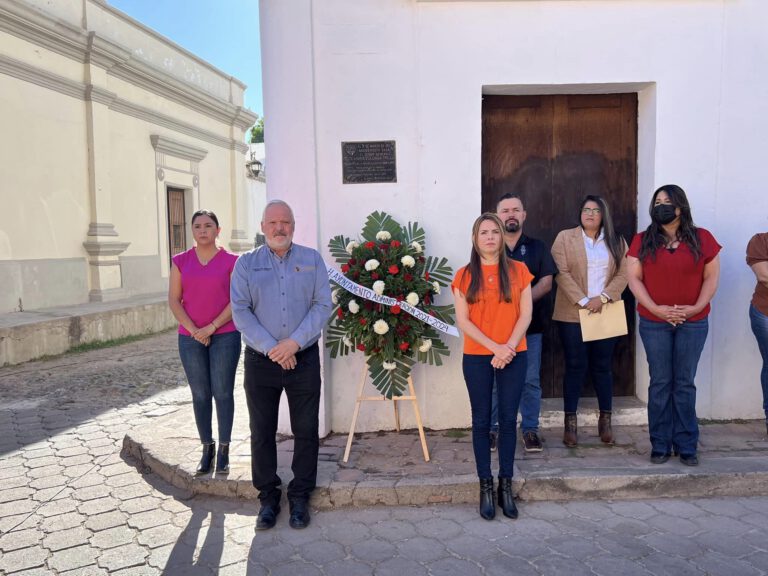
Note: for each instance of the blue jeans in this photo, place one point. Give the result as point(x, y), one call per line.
point(595, 356)
point(673, 354)
point(210, 372)
point(480, 377)
point(530, 403)
point(759, 323)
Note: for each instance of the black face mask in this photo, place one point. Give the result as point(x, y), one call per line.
point(663, 213)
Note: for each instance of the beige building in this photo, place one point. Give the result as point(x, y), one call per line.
point(112, 136)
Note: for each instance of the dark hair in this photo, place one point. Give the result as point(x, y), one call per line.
point(655, 238)
point(475, 264)
point(509, 196)
point(612, 240)
point(208, 213)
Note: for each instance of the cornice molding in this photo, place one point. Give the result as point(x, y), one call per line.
point(28, 73)
point(177, 149)
point(88, 47)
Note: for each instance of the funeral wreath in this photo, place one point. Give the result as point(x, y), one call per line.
point(384, 298)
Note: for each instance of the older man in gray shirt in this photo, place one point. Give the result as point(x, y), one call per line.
point(281, 301)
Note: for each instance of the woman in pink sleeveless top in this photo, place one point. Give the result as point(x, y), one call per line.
point(209, 343)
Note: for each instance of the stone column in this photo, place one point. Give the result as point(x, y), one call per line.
point(102, 241)
point(242, 120)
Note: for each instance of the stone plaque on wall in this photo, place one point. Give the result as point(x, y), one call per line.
point(368, 162)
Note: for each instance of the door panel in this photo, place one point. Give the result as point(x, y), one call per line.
point(552, 151)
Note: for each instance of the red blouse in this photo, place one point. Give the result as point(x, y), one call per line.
point(675, 277)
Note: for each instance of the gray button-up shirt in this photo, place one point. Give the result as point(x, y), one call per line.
point(276, 298)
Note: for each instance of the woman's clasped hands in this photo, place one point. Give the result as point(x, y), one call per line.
point(503, 354)
point(676, 314)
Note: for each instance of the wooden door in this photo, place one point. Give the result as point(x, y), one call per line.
point(552, 151)
point(177, 227)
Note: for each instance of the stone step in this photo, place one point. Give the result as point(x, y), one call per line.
point(627, 411)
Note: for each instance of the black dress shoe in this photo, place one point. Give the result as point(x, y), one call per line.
point(659, 457)
point(206, 460)
point(299, 514)
point(689, 459)
point(267, 516)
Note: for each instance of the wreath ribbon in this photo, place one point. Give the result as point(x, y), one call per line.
point(368, 294)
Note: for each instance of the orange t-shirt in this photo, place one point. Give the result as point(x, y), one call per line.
point(495, 318)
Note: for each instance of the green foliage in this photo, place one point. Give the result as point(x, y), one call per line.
point(389, 337)
point(257, 132)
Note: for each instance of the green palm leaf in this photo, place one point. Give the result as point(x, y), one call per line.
point(390, 382)
point(414, 233)
point(439, 270)
point(380, 221)
point(338, 249)
point(334, 339)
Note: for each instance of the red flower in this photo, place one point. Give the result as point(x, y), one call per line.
point(408, 277)
point(340, 313)
point(426, 298)
point(393, 269)
point(356, 274)
point(368, 305)
point(395, 244)
point(375, 275)
point(395, 309)
point(426, 275)
point(352, 262)
point(361, 347)
point(370, 245)
point(363, 321)
point(345, 268)
point(404, 346)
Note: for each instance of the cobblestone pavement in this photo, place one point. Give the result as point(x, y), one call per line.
point(69, 504)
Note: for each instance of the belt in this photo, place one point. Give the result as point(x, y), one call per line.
point(299, 354)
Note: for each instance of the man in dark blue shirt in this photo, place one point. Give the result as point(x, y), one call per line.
point(281, 301)
point(538, 258)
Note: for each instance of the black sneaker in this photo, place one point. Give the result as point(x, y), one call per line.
point(494, 440)
point(531, 442)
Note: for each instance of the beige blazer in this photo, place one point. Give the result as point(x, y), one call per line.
point(571, 258)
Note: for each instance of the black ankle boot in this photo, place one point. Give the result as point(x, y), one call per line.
point(487, 505)
point(507, 498)
point(222, 459)
point(206, 460)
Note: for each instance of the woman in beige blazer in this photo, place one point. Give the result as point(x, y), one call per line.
point(592, 273)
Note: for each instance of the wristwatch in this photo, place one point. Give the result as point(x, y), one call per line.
point(604, 299)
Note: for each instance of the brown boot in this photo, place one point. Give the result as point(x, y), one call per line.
point(570, 434)
point(604, 427)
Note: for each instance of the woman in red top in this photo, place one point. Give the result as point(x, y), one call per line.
point(757, 259)
point(493, 309)
point(673, 270)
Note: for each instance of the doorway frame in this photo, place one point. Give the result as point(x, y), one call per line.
point(646, 160)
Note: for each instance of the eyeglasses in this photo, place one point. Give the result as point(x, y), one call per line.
point(590, 210)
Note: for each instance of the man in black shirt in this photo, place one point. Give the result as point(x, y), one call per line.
point(537, 257)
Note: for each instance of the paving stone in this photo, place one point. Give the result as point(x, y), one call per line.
point(125, 556)
point(149, 519)
point(92, 478)
point(25, 558)
point(69, 538)
point(439, 528)
point(48, 482)
point(608, 565)
point(113, 537)
point(13, 494)
point(715, 564)
point(142, 504)
point(372, 550)
point(61, 522)
point(78, 471)
point(71, 451)
point(57, 507)
point(159, 535)
point(92, 570)
point(346, 567)
point(664, 564)
point(454, 567)
point(98, 506)
point(12, 471)
point(19, 539)
point(123, 479)
point(16, 482)
point(293, 568)
point(139, 571)
point(106, 520)
point(426, 549)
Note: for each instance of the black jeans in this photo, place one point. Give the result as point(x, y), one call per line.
point(264, 384)
point(580, 356)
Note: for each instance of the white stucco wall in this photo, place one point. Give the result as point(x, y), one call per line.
point(415, 72)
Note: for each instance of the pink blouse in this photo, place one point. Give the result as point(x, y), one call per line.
point(205, 289)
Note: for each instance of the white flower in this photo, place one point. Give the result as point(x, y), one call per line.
point(416, 247)
point(436, 287)
point(412, 298)
point(351, 246)
point(380, 327)
point(372, 264)
point(378, 287)
point(408, 261)
point(347, 342)
point(383, 235)
point(388, 365)
point(353, 306)
point(426, 344)
point(335, 296)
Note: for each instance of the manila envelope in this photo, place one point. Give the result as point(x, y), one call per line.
point(610, 322)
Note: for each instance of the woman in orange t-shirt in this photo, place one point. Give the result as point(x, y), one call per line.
point(493, 309)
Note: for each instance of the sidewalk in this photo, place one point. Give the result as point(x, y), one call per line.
point(388, 468)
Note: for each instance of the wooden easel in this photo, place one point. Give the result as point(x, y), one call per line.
point(394, 400)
